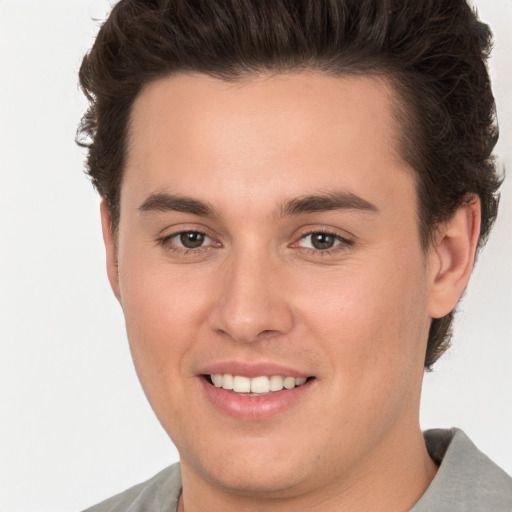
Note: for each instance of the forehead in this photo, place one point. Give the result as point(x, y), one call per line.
point(299, 131)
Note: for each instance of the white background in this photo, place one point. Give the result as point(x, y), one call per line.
point(74, 424)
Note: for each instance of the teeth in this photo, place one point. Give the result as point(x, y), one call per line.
point(227, 381)
point(241, 384)
point(256, 385)
point(217, 380)
point(289, 382)
point(276, 383)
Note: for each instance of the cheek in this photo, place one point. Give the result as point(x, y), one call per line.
point(372, 323)
point(163, 315)
point(163, 311)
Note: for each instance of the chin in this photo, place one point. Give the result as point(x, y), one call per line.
point(268, 480)
point(266, 472)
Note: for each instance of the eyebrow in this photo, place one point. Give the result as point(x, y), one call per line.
point(164, 202)
point(339, 200)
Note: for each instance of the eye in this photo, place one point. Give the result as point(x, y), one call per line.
point(191, 239)
point(319, 241)
point(322, 241)
point(186, 240)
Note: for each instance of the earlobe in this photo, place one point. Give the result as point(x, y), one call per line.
point(452, 258)
point(110, 249)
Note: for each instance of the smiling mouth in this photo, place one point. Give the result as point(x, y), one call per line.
point(256, 386)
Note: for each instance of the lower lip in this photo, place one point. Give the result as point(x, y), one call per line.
point(254, 408)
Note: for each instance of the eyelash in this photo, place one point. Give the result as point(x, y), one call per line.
point(165, 242)
point(341, 243)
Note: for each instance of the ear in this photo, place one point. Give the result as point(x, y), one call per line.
point(110, 249)
point(452, 258)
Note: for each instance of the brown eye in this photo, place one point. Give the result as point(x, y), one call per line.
point(192, 239)
point(322, 240)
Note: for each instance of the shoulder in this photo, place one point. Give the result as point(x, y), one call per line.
point(160, 493)
point(467, 480)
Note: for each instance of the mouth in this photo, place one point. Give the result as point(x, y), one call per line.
point(255, 391)
point(256, 386)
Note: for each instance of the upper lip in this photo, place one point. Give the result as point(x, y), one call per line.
point(251, 369)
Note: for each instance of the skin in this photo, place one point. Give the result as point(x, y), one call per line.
point(354, 316)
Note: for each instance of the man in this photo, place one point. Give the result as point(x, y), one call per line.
point(293, 197)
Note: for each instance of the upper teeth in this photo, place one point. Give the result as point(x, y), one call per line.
point(262, 384)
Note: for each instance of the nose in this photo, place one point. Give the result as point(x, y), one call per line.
point(252, 303)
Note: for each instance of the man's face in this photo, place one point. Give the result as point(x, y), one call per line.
point(268, 228)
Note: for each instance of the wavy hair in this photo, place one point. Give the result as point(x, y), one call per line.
point(432, 51)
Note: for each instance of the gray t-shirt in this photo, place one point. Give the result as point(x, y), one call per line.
point(467, 481)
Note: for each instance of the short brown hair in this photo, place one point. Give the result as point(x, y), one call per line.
point(433, 52)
